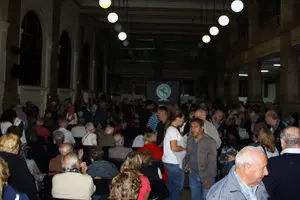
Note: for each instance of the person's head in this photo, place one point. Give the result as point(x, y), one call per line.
point(4, 174)
point(271, 117)
point(197, 127)
point(63, 123)
point(162, 113)
point(65, 149)
point(125, 186)
point(70, 162)
point(218, 116)
point(14, 130)
point(133, 161)
point(59, 137)
point(147, 158)
point(10, 143)
point(266, 139)
point(118, 139)
point(96, 154)
point(177, 118)
point(200, 114)
point(251, 165)
point(8, 115)
point(290, 137)
point(48, 114)
point(150, 138)
point(89, 127)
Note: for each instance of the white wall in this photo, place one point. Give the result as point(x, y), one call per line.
point(69, 22)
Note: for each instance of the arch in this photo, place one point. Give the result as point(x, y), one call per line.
point(64, 72)
point(31, 50)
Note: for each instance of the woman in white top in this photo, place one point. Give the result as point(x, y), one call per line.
point(90, 138)
point(172, 164)
point(266, 142)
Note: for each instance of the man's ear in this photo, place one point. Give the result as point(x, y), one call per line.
point(283, 144)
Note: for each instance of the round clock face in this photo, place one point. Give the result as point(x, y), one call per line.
point(163, 91)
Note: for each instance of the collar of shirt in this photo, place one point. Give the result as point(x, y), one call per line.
point(291, 150)
point(249, 192)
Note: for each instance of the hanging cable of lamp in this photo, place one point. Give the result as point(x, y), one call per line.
point(214, 30)
point(206, 38)
point(223, 19)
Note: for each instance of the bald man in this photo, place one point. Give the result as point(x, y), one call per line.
point(209, 128)
point(244, 181)
point(283, 181)
point(55, 165)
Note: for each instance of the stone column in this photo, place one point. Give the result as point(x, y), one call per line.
point(12, 58)
point(56, 13)
point(254, 83)
point(3, 37)
point(289, 74)
point(277, 89)
point(212, 90)
point(105, 73)
point(253, 26)
point(220, 85)
point(233, 85)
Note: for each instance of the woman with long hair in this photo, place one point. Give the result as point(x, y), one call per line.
point(266, 142)
point(171, 158)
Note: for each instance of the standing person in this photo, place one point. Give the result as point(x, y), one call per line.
point(201, 160)
point(244, 181)
point(175, 174)
point(284, 175)
point(163, 116)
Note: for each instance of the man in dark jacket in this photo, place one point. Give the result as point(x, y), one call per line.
point(272, 119)
point(283, 181)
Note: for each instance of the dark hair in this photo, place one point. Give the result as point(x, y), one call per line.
point(199, 121)
point(163, 109)
point(96, 153)
point(14, 130)
point(176, 114)
point(8, 116)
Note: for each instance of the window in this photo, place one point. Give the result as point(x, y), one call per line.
point(64, 72)
point(31, 50)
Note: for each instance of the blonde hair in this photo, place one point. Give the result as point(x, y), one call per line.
point(125, 186)
point(266, 139)
point(147, 158)
point(4, 174)
point(133, 161)
point(10, 143)
point(150, 137)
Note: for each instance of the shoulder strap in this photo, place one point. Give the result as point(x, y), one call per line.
point(264, 150)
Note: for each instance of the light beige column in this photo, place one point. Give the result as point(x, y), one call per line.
point(254, 83)
point(13, 40)
point(233, 85)
point(253, 23)
point(289, 74)
point(3, 37)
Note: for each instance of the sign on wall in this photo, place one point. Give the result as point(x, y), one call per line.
point(160, 91)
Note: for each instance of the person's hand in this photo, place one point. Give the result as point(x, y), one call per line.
point(206, 184)
point(80, 154)
point(83, 167)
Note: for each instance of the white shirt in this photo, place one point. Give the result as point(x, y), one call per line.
point(78, 131)
point(138, 141)
point(171, 134)
point(269, 154)
point(89, 139)
point(72, 119)
point(68, 136)
point(291, 150)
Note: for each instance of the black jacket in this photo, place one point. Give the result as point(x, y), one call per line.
point(281, 125)
point(283, 181)
point(20, 176)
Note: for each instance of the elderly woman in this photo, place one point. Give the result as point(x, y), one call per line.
point(119, 151)
point(90, 138)
point(21, 178)
point(150, 145)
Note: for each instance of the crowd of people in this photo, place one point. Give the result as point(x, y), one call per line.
point(140, 150)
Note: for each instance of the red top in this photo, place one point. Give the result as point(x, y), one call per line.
point(43, 132)
point(157, 152)
point(145, 187)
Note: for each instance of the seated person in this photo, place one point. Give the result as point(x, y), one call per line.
point(90, 138)
point(150, 145)
point(100, 168)
point(55, 165)
point(74, 183)
point(119, 151)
